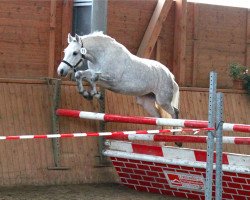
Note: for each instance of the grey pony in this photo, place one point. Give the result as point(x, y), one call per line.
point(113, 67)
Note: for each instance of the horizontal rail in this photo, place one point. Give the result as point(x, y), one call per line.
point(93, 134)
point(137, 135)
point(149, 120)
point(180, 138)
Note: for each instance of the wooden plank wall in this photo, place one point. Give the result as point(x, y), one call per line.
point(26, 109)
point(216, 36)
point(128, 28)
point(25, 37)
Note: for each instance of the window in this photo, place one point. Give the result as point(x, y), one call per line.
point(82, 17)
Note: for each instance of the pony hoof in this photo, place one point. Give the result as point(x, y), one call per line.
point(178, 144)
point(86, 95)
point(77, 75)
point(92, 93)
point(99, 96)
point(89, 98)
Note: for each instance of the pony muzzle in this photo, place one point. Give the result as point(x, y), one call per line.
point(63, 70)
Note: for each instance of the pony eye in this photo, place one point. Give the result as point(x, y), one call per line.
point(74, 53)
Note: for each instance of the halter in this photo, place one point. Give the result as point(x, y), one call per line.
point(83, 52)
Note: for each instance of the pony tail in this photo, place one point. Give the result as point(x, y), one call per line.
point(176, 95)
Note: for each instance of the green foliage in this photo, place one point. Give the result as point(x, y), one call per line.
point(238, 71)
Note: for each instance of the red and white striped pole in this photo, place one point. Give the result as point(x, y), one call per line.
point(94, 134)
point(149, 120)
point(143, 135)
point(180, 138)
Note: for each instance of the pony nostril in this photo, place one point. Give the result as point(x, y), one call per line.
point(61, 71)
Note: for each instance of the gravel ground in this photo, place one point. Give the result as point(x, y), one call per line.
point(78, 192)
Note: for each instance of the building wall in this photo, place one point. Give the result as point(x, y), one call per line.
point(25, 38)
point(26, 35)
point(216, 36)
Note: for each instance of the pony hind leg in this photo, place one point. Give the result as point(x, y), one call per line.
point(168, 108)
point(148, 103)
point(165, 103)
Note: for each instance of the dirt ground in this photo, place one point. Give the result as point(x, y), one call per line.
point(78, 192)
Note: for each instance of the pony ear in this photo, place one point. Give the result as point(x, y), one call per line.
point(78, 39)
point(70, 38)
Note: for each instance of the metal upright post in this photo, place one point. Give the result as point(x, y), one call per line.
point(99, 23)
point(219, 124)
point(210, 143)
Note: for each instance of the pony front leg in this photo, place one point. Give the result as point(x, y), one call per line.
point(94, 92)
point(91, 77)
point(81, 89)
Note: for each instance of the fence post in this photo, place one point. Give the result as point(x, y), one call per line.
point(210, 142)
point(56, 87)
point(55, 124)
point(219, 124)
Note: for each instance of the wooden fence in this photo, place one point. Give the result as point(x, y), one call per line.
point(26, 109)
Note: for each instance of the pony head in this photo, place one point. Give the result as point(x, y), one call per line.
point(74, 55)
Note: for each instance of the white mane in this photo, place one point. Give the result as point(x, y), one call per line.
point(96, 34)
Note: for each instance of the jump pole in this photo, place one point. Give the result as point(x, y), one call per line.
point(92, 134)
point(149, 120)
point(142, 135)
